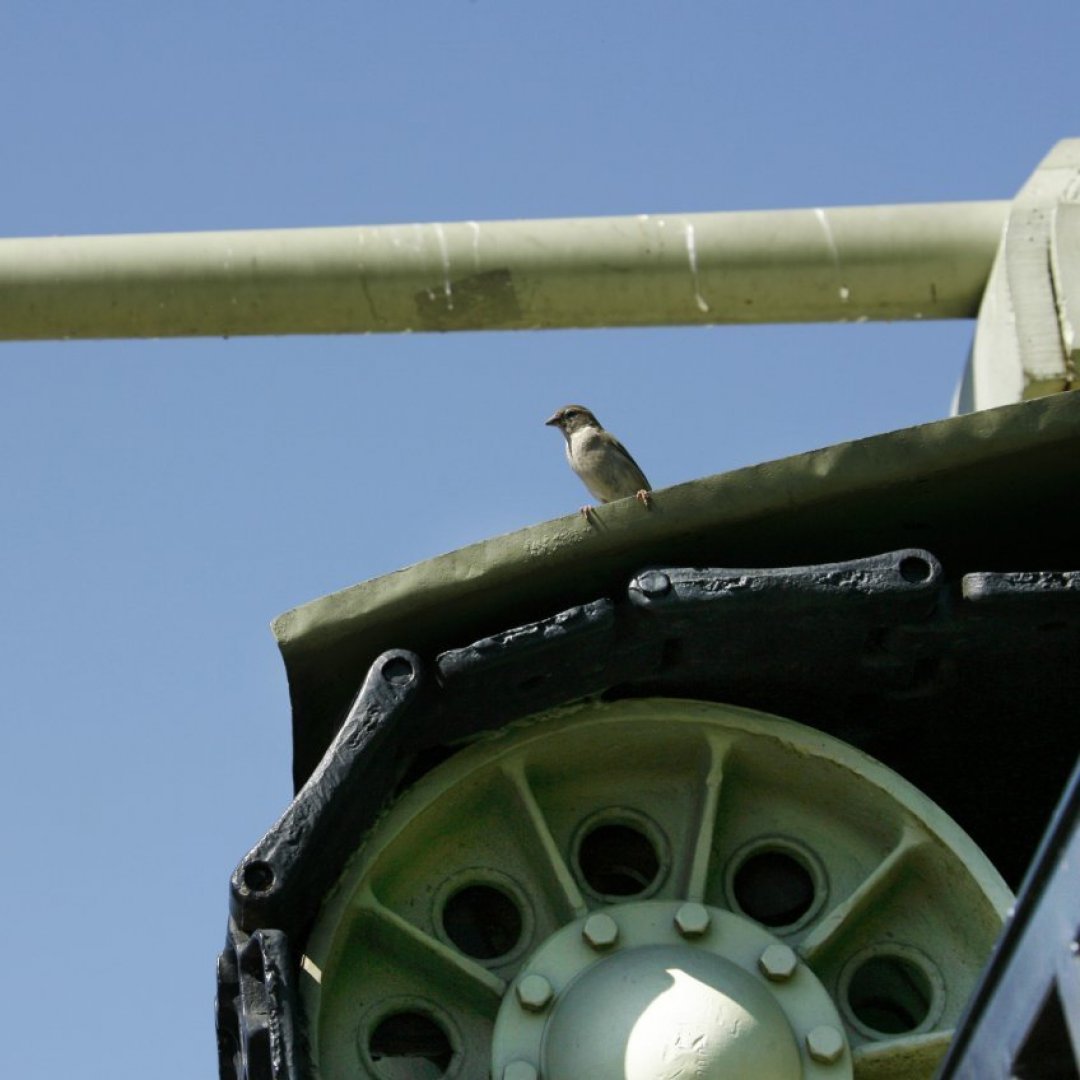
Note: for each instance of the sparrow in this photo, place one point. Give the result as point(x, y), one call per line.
point(603, 463)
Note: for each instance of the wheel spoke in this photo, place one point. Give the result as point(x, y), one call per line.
point(907, 1055)
point(702, 842)
point(845, 914)
point(571, 901)
point(439, 962)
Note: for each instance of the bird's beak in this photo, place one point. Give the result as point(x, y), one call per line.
point(553, 420)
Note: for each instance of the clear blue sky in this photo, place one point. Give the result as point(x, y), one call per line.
point(160, 502)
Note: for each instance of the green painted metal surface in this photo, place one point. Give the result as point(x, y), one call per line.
point(1024, 345)
point(500, 899)
point(994, 489)
point(851, 263)
point(1065, 266)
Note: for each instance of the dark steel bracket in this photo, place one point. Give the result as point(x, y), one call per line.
point(1024, 1019)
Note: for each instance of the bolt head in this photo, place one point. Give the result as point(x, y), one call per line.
point(778, 962)
point(534, 992)
point(692, 920)
point(654, 583)
point(600, 930)
point(825, 1044)
point(520, 1070)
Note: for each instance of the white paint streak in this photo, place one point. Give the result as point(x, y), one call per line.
point(444, 251)
point(691, 255)
point(475, 227)
point(823, 220)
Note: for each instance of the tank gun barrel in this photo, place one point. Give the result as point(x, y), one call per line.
point(917, 261)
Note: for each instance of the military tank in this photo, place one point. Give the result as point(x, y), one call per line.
point(741, 786)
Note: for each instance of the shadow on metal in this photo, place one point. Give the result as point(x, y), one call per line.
point(1024, 1019)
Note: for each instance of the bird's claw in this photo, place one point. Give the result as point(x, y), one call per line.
point(644, 498)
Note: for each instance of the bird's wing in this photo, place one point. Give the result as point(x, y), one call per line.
point(616, 445)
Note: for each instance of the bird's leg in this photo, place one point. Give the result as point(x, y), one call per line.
point(585, 511)
point(644, 498)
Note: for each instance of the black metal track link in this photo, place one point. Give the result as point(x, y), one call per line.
point(257, 1009)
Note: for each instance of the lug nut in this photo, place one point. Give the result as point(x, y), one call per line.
point(778, 963)
point(600, 930)
point(534, 992)
point(692, 920)
point(825, 1044)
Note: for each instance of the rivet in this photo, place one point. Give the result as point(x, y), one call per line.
point(778, 962)
point(825, 1044)
point(600, 930)
point(654, 583)
point(692, 920)
point(534, 992)
point(520, 1070)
